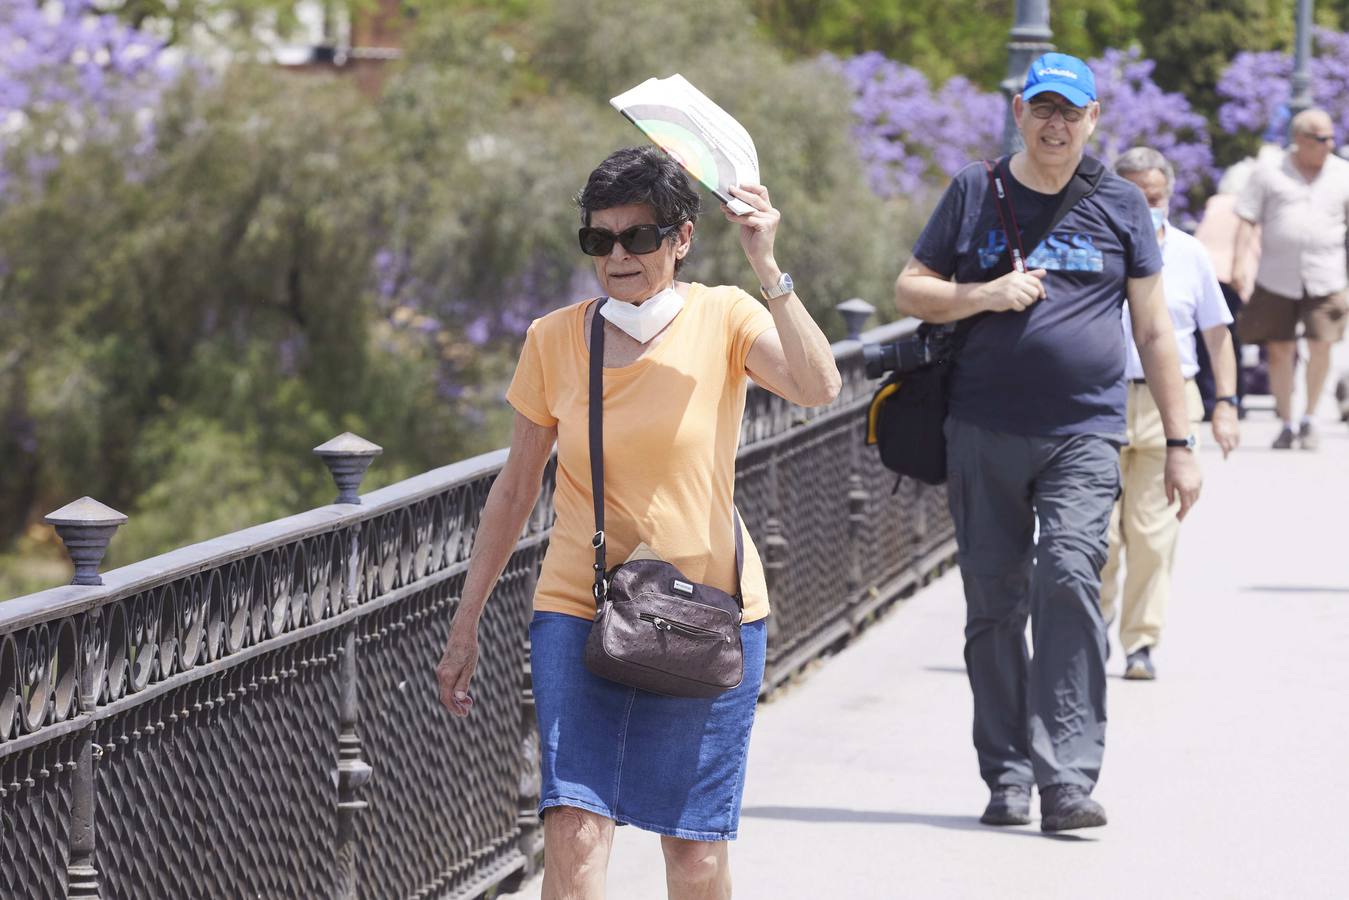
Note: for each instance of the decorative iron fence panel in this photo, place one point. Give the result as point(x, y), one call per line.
point(35, 804)
point(256, 716)
point(224, 787)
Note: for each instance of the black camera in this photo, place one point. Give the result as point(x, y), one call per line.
point(922, 348)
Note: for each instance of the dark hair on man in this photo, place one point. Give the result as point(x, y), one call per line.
point(641, 175)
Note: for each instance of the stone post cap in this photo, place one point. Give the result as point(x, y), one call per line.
point(347, 456)
point(856, 305)
point(855, 313)
point(348, 444)
point(85, 511)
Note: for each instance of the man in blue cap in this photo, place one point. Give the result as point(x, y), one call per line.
point(1036, 254)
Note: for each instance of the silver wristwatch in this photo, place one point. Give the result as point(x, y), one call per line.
point(783, 287)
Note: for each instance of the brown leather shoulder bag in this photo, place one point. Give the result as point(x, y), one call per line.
point(655, 629)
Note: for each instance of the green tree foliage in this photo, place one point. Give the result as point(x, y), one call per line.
point(292, 260)
point(187, 328)
point(495, 131)
point(1192, 42)
point(941, 38)
point(838, 240)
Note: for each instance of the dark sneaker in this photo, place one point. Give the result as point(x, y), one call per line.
point(1138, 665)
point(1307, 437)
point(1285, 440)
point(1009, 804)
point(1064, 807)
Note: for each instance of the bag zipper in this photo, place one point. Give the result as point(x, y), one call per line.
point(693, 631)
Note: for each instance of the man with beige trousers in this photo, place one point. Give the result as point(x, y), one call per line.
point(1144, 526)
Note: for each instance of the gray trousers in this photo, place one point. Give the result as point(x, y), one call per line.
point(1038, 720)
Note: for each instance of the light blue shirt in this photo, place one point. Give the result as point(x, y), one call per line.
point(1192, 295)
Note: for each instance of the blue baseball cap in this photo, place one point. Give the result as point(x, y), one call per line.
point(1061, 74)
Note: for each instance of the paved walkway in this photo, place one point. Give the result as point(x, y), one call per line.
point(1226, 778)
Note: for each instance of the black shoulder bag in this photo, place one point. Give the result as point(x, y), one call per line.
point(655, 629)
point(908, 411)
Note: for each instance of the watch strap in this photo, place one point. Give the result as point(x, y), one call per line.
point(781, 288)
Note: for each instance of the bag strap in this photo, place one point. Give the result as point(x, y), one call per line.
point(596, 415)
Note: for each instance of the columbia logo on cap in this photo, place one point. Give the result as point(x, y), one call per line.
point(1061, 74)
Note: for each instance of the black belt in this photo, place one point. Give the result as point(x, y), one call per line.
point(1145, 381)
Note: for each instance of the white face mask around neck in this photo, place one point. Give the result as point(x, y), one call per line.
point(642, 323)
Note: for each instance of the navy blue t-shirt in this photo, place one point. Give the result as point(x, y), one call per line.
point(1056, 368)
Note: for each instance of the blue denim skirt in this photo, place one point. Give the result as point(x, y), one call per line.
point(672, 765)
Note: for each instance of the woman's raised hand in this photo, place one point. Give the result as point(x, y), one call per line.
point(759, 227)
point(456, 667)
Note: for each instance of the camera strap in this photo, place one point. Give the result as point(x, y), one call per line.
point(1083, 184)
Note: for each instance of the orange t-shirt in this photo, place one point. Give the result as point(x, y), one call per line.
point(671, 430)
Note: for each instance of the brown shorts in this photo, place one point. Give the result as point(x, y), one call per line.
point(1268, 316)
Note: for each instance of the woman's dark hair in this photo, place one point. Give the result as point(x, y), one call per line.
point(641, 175)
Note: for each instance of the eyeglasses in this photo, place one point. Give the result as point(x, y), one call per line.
point(1070, 114)
point(1319, 138)
point(639, 239)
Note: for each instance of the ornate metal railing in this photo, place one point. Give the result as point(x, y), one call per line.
point(256, 715)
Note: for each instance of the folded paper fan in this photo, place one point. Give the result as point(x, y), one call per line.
point(701, 136)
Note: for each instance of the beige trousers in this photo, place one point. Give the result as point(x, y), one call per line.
point(1143, 527)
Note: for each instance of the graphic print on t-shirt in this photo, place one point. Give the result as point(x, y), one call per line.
point(1061, 251)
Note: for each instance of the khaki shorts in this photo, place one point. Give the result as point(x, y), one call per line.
point(1268, 316)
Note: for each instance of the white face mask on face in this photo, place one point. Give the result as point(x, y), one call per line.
point(642, 323)
point(1158, 217)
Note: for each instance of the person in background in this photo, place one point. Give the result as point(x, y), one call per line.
point(1144, 528)
point(1217, 231)
point(1302, 207)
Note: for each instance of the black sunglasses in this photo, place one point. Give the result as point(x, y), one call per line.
point(639, 239)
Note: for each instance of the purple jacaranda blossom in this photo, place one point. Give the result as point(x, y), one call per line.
point(290, 353)
point(478, 331)
point(1135, 111)
point(75, 73)
point(390, 273)
point(913, 139)
point(909, 138)
point(449, 387)
point(1256, 88)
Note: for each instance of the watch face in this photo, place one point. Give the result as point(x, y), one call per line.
point(785, 283)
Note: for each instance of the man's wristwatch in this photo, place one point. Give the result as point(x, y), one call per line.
point(1232, 399)
point(782, 288)
point(1188, 442)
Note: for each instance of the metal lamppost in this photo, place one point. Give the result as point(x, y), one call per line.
point(1028, 40)
point(1302, 79)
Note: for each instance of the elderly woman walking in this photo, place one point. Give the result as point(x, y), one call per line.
point(676, 356)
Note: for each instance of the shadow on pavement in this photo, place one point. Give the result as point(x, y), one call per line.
point(825, 814)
